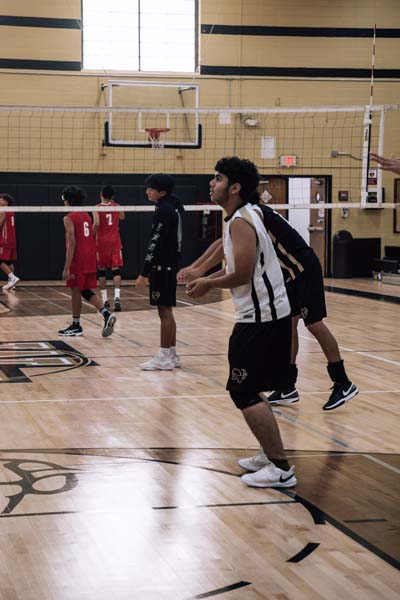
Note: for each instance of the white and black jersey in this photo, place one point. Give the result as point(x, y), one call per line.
point(164, 248)
point(264, 298)
point(293, 253)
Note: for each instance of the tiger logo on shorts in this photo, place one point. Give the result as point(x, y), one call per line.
point(238, 375)
point(304, 312)
point(155, 295)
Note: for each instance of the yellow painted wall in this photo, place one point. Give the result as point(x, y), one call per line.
point(74, 89)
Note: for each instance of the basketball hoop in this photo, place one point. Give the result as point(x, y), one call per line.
point(154, 136)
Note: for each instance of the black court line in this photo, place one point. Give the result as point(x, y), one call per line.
point(223, 590)
point(307, 550)
point(364, 520)
point(319, 516)
point(363, 542)
point(43, 514)
point(363, 294)
point(228, 504)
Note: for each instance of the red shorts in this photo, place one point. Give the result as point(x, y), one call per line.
point(109, 258)
point(8, 254)
point(82, 281)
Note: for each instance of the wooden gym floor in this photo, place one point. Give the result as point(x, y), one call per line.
point(118, 483)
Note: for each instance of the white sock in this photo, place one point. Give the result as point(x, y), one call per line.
point(117, 293)
point(164, 351)
point(173, 350)
point(104, 295)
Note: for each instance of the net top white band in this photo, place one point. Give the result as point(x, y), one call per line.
point(191, 207)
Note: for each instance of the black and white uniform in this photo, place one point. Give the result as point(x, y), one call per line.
point(163, 252)
point(300, 265)
point(259, 347)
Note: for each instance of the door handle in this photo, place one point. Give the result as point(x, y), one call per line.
point(311, 229)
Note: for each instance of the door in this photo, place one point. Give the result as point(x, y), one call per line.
point(274, 191)
point(317, 225)
point(311, 224)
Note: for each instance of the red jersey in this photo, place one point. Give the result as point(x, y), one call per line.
point(7, 232)
point(108, 230)
point(84, 259)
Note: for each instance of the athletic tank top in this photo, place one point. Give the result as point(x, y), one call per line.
point(84, 259)
point(108, 231)
point(7, 232)
point(264, 297)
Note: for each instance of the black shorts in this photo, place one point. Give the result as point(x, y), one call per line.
point(307, 296)
point(163, 286)
point(259, 356)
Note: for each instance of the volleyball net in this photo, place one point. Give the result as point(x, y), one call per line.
point(302, 142)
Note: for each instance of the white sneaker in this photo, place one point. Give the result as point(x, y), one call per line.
point(254, 463)
point(12, 282)
point(159, 362)
point(270, 476)
point(176, 361)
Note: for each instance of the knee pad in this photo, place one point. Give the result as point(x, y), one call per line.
point(101, 273)
point(87, 294)
point(243, 400)
point(116, 272)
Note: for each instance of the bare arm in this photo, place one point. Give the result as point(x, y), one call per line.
point(2, 219)
point(387, 164)
point(244, 243)
point(96, 222)
point(71, 244)
point(208, 253)
point(121, 216)
point(209, 259)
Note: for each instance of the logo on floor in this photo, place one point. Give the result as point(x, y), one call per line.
point(45, 357)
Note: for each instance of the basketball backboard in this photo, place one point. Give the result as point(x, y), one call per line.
point(140, 106)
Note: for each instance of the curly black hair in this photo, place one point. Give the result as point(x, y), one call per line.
point(240, 170)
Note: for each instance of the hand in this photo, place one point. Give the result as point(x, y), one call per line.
point(141, 281)
point(387, 164)
point(188, 274)
point(66, 274)
point(198, 287)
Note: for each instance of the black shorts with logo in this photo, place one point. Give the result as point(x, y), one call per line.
point(307, 295)
point(163, 286)
point(259, 356)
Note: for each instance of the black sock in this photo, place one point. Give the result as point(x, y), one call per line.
point(337, 373)
point(281, 463)
point(290, 380)
point(76, 321)
point(293, 372)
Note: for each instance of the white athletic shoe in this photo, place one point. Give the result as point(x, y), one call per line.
point(159, 362)
point(254, 463)
point(12, 282)
point(270, 476)
point(176, 361)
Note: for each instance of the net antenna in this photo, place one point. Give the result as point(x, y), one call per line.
point(154, 136)
point(365, 189)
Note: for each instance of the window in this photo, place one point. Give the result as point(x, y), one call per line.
point(139, 35)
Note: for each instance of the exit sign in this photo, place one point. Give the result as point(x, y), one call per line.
point(288, 160)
